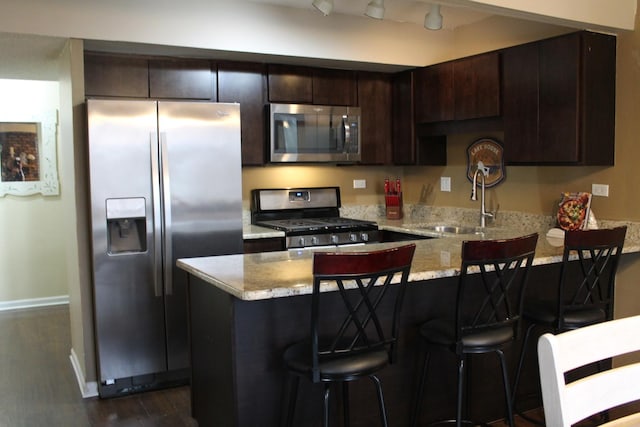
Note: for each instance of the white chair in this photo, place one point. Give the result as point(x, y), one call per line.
point(566, 404)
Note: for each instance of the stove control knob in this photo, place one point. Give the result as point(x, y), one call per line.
point(334, 239)
point(353, 237)
point(301, 242)
point(364, 237)
point(314, 241)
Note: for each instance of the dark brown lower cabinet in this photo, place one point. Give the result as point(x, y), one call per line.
point(238, 379)
point(271, 244)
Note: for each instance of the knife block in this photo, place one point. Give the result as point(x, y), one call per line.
point(393, 204)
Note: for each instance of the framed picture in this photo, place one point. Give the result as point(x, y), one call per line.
point(28, 162)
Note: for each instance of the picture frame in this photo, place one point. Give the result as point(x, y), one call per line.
point(28, 154)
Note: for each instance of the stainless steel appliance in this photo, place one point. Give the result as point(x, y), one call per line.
point(165, 183)
point(314, 133)
point(310, 217)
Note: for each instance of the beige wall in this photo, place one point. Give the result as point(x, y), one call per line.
point(32, 257)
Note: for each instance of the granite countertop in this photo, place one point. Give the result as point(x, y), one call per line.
point(287, 273)
point(251, 232)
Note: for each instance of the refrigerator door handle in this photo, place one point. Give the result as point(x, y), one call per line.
point(166, 220)
point(157, 215)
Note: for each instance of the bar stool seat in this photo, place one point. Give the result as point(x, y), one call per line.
point(545, 312)
point(442, 332)
point(297, 359)
point(353, 335)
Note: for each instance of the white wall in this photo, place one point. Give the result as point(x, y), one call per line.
point(32, 246)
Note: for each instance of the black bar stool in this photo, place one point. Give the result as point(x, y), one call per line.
point(585, 289)
point(487, 312)
point(357, 338)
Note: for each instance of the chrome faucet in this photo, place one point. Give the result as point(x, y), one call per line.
point(483, 171)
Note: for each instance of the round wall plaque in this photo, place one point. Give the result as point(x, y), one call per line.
point(489, 154)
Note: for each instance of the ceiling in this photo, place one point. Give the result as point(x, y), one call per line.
point(30, 57)
point(33, 57)
point(411, 11)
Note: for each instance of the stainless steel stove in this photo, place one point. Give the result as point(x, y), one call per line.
point(310, 217)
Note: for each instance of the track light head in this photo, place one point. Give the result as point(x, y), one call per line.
point(375, 9)
point(433, 19)
point(324, 6)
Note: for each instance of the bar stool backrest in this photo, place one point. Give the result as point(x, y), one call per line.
point(589, 285)
point(371, 288)
point(502, 267)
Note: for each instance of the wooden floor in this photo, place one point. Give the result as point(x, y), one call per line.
point(38, 386)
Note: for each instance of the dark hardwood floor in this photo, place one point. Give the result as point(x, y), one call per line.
point(38, 386)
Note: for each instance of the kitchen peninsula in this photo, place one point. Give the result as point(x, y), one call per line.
point(245, 309)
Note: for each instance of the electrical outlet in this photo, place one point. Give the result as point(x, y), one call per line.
point(445, 258)
point(600, 190)
point(445, 183)
point(359, 183)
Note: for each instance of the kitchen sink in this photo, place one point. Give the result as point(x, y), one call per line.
point(450, 229)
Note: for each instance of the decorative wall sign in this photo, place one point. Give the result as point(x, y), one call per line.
point(28, 161)
point(487, 153)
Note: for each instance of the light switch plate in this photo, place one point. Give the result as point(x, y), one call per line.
point(445, 183)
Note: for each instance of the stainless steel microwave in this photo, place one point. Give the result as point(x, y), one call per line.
point(314, 133)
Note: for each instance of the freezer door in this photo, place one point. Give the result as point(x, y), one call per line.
point(129, 307)
point(202, 186)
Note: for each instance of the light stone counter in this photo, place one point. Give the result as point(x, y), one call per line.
point(250, 232)
point(287, 273)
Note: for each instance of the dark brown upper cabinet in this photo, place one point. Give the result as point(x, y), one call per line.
point(290, 84)
point(434, 97)
point(181, 79)
point(375, 94)
point(245, 83)
point(403, 142)
point(410, 144)
point(116, 75)
point(304, 85)
point(467, 88)
point(477, 86)
point(559, 101)
point(334, 87)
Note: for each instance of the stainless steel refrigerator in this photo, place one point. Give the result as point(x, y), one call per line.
point(165, 183)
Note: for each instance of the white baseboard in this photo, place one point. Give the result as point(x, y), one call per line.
point(33, 302)
point(87, 389)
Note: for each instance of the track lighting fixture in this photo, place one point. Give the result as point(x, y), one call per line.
point(324, 6)
point(375, 9)
point(433, 19)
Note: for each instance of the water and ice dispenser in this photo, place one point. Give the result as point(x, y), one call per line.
point(126, 225)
